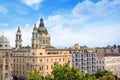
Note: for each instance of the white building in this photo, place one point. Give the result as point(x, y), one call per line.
point(110, 62)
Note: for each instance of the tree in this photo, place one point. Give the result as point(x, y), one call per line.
point(35, 75)
point(48, 77)
point(88, 77)
point(65, 72)
point(101, 73)
point(105, 75)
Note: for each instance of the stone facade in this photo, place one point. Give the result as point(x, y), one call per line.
point(5, 59)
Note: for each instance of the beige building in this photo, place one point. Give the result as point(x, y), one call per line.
point(41, 55)
point(5, 59)
point(110, 62)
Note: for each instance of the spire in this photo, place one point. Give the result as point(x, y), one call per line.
point(41, 22)
point(18, 29)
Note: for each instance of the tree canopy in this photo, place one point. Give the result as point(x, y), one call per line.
point(66, 72)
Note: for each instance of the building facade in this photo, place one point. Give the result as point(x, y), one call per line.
point(5, 59)
point(110, 62)
point(84, 59)
point(41, 55)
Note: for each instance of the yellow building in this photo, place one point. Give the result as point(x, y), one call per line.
point(41, 55)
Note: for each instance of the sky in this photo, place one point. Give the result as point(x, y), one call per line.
point(94, 23)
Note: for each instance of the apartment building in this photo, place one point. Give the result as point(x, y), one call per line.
point(84, 59)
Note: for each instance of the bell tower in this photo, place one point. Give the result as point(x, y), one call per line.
point(18, 38)
point(34, 37)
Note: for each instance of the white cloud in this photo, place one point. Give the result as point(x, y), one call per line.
point(3, 25)
point(33, 3)
point(90, 34)
point(88, 24)
point(3, 10)
point(103, 8)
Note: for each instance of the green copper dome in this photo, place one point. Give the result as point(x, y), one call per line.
point(41, 29)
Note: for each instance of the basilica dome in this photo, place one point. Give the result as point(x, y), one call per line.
point(3, 39)
point(4, 43)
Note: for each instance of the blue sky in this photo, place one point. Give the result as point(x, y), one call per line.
point(87, 22)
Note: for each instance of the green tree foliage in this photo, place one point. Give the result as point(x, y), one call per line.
point(35, 75)
point(105, 75)
point(101, 73)
point(88, 77)
point(48, 77)
point(66, 72)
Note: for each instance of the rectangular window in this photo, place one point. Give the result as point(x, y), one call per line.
point(6, 67)
point(1, 66)
point(40, 61)
point(47, 67)
point(60, 59)
point(6, 54)
point(33, 61)
point(63, 59)
point(6, 60)
point(17, 60)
